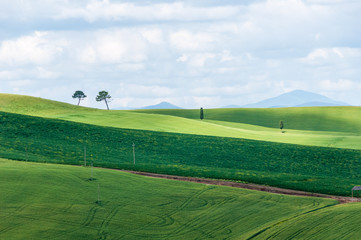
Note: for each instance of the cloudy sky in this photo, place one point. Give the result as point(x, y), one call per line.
point(190, 53)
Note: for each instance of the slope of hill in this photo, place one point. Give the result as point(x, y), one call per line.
point(35, 106)
point(296, 98)
point(334, 119)
point(312, 169)
point(332, 127)
point(336, 222)
point(319, 104)
point(59, 202)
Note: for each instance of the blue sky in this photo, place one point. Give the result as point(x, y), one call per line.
point(189, 53)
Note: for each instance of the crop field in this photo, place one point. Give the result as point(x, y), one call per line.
point(43, 201)
point(319, 151)
point(327, 127)
point(330, 119)
point(336, 222)
point(315, 169)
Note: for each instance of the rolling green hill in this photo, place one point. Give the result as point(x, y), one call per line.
point(331, 119)
point(341, 121)
point(35, 106)
point(315, 169)
point(336, 222)
point(42, 201)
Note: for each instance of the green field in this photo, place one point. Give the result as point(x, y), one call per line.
point(219, 148)
point(328, 127)
point(42, 201)
point(320, 151)
point(330, 119)
point(336, 222)
point(315, 169)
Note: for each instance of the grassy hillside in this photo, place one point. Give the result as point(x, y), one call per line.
point(35, 106)
point(333, 119)
point(336, 222)
point(41, 201)
point(317, 169)
point(228, 127)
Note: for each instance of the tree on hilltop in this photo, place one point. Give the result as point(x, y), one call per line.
point(103, 95)
point(201, 114)
point(80, 95)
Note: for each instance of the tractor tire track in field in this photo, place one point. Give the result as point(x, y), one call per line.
point(102, 233)
point(250, 186)
point(167, 220)
point(22, 178)
point(192, 224)
point(286, 220)
point(91, 214)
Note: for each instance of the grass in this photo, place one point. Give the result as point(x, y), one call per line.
point(42, 201)
point(329, 119)
point(315, 169)
point(336, 222)
point(328, 127)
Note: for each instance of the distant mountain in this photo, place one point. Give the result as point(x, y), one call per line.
point(297, 98)
point(320, 104)
point(162, 105)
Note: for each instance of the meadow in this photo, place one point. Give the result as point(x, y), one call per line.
point(336, 222)
point(314, 169)
point(321, 126)
point(50, 201)
point(329, 119)
point(320, 151)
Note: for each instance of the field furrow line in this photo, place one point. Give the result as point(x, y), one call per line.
point(286, 220)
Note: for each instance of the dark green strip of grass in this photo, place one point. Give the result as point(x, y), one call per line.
point(316, 169)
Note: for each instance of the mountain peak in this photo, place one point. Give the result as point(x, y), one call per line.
point(296, 98)
point(162, 105)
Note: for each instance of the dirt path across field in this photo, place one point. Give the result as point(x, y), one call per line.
point(341, 199)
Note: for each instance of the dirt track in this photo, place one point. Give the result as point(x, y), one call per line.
point(341, 199)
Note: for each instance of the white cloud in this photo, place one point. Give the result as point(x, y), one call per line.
point(20, 83)
point(184, 40)
point(154, 36)
point(87, 55)
point(321, 56)
point(111, 46)
point(197, 60)
point(46, 74)
point(140, 90)
point(209, 102)
point(5, 75)
point(33, 49)
point(108, 10)
point(226, 56)
point(187, 52)
point(338, 85)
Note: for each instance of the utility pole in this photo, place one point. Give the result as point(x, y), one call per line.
point(91, 176)
point(84, 155)
point(133, 153)
point(98, 194)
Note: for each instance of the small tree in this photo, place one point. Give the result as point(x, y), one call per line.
point(80, 95)
point(281, 125)
point(103, 95)
point(201, 114)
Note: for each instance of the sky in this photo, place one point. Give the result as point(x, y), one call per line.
point(190, 53)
